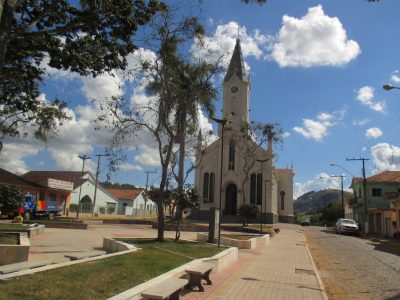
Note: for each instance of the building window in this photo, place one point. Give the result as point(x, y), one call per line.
point(282, 200)
point(212, 184)
point(208, 187)
point(256, 188)
point(376, 192)
point(206, 180)
point(253, 186)
point(232, 155)
point(259, 188)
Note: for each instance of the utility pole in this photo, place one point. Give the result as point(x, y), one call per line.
point(342, 207)
point(147, 181)
point(96, 183)
point(262, 161)
point(365, 192)
point(83, 157)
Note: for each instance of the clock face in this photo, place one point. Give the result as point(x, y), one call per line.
point(234, 89)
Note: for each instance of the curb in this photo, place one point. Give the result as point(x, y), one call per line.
point(320, 283)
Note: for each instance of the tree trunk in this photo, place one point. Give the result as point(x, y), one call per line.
point(181, 168)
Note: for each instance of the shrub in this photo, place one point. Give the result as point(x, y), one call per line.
point(102, 210)
point(248, 211)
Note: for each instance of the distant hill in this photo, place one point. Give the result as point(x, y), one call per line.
point(315, 201)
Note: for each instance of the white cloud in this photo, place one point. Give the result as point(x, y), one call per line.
point(361, 122)
point(149, 156)
point(318, 129)
point(373, 133)
point(319, 182)
point(314, 40)
point(13, 156)
point(130, 167)
point(395, 77)
point(385, 157)
point(101, 87)
point(286, 135)
point(220, 45)
point(366, 96)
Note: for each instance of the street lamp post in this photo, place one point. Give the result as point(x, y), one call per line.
point(83, 157)
point(341, 180)
point(339, 166)
point(262, 161)
point(97, 181)
point(222, 122)
point(389, 87)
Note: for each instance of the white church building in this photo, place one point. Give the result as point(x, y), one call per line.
point(271, 190)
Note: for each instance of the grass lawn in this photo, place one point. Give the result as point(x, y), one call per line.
point(238, 236)
point(107, 277)
point(10, 226)
point(9, 239)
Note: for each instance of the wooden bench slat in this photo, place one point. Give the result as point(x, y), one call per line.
point(23, 266)
point(85, 254)
point(164, 289)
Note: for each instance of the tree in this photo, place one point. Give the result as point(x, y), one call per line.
point(331, 213)
point(194, 90)
point(157, 117)
point(89, 39)
point(186, 197)
point(248, 211)
point(11, 198)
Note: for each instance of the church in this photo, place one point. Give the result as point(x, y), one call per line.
point(264, 185)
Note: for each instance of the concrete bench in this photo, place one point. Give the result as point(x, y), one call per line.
point(198, 272)
point(23, 266)
point(167, 289)
point(85, 255)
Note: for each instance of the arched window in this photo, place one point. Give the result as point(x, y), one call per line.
point(212, 185)
point(206, 180)
point(259, 188)
point(208, 187)
point(231, 155)
point(253, 186)
point(282, 200)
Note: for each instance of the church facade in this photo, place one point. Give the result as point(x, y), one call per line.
point(269, 188)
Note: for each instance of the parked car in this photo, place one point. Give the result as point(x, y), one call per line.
point(346, 226)
point(305, 223)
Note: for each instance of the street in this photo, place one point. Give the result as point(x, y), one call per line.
point(354, 268)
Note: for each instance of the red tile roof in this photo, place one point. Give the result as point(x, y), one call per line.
point(9, 178)
point(384, 177)
point(130, 194)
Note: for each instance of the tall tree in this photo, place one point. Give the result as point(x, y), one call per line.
point(87, 39)
point(168, 35)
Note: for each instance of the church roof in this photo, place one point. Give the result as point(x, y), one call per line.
point(236, 66)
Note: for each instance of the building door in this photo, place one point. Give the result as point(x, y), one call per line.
point(389, 228)
point(231, 199)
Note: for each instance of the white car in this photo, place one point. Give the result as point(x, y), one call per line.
point(346, 226)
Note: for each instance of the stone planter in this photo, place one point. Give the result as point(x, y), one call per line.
point(241, 244)
point(33, 230)
point(10, 254)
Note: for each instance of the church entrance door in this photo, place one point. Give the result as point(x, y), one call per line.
point(231, 199)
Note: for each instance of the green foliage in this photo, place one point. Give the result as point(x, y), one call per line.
point(102, 210)
point(331, 213)
point(11, 198)
point(87, 39)
point(187, 197)
point(248, 211)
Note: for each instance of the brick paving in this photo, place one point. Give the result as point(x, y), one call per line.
point(281, 269)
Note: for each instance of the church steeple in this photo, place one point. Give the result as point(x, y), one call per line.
point(236, 66)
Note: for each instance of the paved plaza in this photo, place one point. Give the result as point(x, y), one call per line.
point(280, 269)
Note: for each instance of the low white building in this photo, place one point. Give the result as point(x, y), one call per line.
point(133, 202)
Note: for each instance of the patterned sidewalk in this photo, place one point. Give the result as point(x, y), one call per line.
point(281, 269)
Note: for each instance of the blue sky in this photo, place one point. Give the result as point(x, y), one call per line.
point(317, 68)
